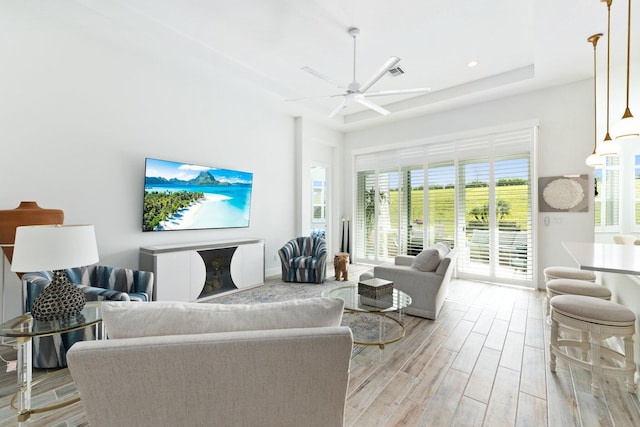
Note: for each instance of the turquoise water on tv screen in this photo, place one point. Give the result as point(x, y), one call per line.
point(223, 207)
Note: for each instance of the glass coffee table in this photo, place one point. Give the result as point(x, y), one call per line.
point(356, 303)
point(24, 328)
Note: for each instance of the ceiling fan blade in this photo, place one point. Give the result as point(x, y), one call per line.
point(374, 107)
point(313, 97)
point(340, 107)
point(398, 92)
point(323, 77)
point(391, 62)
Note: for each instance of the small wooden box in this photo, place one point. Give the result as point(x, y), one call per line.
point(375, 288)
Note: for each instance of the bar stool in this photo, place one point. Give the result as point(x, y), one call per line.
point(598, 319)
point(557, 287)
point(557, 272)
point(560, 272)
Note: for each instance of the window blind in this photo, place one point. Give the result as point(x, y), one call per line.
point(478, 183)
point(441, 204)
point(607, 199)
point(366, 194)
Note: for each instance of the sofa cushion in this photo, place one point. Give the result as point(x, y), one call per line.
point(427, 260)
point(157, 318)
point(304, 262)
point(443, 248)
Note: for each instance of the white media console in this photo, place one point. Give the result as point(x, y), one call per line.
point(190, 271)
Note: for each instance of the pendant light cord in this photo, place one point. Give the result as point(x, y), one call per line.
point(607, 136)
point(628, 51)
point(594, 40)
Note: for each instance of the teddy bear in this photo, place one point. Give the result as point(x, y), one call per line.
point(341, 266)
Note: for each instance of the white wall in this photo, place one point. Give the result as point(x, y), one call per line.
point(82, 106)
point(565, 139)
point(318, 146)
point(80, 110)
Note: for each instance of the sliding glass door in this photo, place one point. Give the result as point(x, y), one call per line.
point(389, 213)
point(368, 203)
point(478, 199)
point(473, 215)
point(494, 219)
point(441, 203)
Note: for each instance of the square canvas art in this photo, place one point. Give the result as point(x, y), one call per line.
point(567, 193)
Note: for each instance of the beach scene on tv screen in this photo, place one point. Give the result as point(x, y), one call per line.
point(182, 196)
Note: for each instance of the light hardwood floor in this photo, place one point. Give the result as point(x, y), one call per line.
point(483, 362)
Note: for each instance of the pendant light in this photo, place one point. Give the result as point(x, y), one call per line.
point(594, 159)
point(608, 147)
point(628, 126)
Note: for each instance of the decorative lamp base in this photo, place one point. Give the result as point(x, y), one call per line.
point(59, 300)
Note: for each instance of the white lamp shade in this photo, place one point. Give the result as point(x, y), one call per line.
point(594, 160)
point(608, 148)
point(53, 247)
point(628, 127)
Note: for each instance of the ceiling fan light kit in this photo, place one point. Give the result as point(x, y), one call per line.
point(356, 92)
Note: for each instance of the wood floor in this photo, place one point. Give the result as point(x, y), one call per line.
point(482, 363)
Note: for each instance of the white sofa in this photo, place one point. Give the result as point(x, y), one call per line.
point(427, 289)
point(198, 364)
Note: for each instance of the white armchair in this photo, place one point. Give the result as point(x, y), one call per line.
point(428, 289)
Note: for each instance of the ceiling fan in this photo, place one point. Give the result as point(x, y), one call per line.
point(357, 92)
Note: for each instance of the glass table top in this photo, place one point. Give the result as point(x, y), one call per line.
point(356, 302)
point(27, 326)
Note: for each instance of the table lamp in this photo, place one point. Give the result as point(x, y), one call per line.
point(54, 248)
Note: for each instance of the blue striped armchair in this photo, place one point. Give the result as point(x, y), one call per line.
point(304, 260)
point(98, 282)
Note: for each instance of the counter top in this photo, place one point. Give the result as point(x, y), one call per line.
point(194, 246)
point(607, 257)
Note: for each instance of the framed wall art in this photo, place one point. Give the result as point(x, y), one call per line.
point(567, 193)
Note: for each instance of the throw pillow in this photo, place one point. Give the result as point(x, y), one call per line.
point(156, 318)
point(443, 248)
point(427, 260)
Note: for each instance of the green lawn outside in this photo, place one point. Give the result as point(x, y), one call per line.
point(441, 206)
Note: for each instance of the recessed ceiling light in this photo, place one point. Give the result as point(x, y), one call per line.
point(472, 64)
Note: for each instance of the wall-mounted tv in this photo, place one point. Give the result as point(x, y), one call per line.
point(184, 196)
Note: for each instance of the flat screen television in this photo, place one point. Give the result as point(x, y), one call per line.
point(184, 196)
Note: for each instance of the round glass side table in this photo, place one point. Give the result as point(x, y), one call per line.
point(24, 328)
